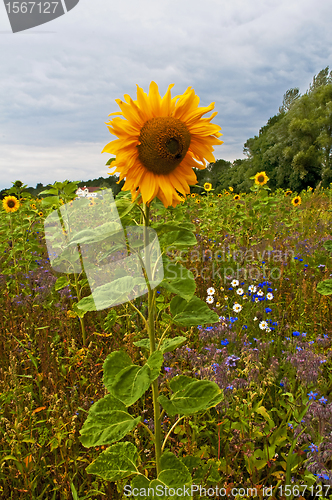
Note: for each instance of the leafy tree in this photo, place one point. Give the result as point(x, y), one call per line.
point(289, 98)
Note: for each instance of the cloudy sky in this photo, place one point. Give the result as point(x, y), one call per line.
point(59, 81)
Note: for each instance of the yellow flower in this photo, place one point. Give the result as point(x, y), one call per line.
point(236, 197)
point(226, 192)
point(261, 178)
point(219, 195)
point(10, 204)
point(198, 201)
point(160, 142)
point(193, 195)
point(288, 192)
point(231, 189)
point(207, 186)
point(211, 205)
point(33, 206)
point(296, 201)
point(40, 214)
point(310, 188)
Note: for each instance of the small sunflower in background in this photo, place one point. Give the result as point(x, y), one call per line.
point(33, 206)
point(219, 195)
point(40, 214)
point(226, 193)
point(207, 186)
point(231, 189)
point(296, 201)
point(193, 195)
point(236, 197)
point(159, 143)
point(198, 202)
point(261, 178)
point(288, 192)
point(10, 204)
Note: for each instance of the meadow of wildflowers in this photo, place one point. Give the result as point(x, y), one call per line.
point(256, 264)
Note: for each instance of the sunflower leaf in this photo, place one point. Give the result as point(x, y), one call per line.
point(194, 312)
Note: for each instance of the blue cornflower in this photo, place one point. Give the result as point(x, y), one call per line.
point(268, 309)
point(282, 384)
point(312, 395)
point(304, 334)
point(296, 334)
point(224, 342)
point(290, 425)
point(322, 400)
point(313, 447)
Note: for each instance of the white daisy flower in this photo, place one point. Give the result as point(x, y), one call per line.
point(226, 298)
point(260, 293)
point(268, 329)
point(245, 297)
point(252, 288)
point(218, 304)
point(235, 283)
point(209, 299)
point(256, 299)
point(240, 291)
point(263, 325)
point(237, 307)
point(269, 296)
point(255, 319)
point(210, 291)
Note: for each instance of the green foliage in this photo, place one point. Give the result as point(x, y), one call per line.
point(190, 396)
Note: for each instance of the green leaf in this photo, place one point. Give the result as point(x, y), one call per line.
point(178, 239)
point(162, 228)
point(61, 283)
point(97, 234)
point(133, 381)
point(190, 396)
point(174, 474)
point(328, 245)
point(113, 364)
point(194, 312)
point(112, 293)
point(107, 422)
point(115, 463)
point(167, 345)
point(140, 483)
point(324, 287)
point(178, 279)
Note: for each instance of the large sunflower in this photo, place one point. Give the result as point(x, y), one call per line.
point(10, 203)
point(159, 143)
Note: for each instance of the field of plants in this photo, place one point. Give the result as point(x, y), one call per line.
point(218, 375)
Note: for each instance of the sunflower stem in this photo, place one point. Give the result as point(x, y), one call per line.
point(15, 265)
point(152, 338)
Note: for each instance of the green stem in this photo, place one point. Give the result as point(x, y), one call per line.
point(170, 431)
point(152, 338)
point(11, 229)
